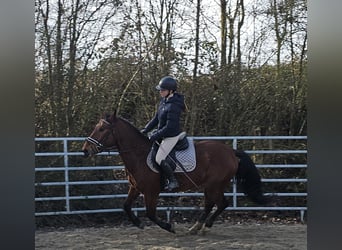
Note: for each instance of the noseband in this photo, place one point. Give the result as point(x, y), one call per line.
point(93, 141)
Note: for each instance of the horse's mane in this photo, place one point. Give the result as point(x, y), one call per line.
point(131, 126)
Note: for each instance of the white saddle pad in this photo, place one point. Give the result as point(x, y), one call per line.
point(186, 157)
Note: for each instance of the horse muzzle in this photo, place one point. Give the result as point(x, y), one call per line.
point(85, 153)
point(90, 149)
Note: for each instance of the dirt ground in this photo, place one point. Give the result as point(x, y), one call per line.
point(221, 236)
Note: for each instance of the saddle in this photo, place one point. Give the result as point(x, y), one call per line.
point(182, 155)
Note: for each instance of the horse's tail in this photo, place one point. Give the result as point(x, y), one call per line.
point(249, 178)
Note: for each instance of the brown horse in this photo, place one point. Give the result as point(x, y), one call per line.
point(216, 165)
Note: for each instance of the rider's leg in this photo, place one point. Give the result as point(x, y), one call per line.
point(165, 148)
point(167, 170)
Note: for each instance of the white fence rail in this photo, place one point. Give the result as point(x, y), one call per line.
point(57, 163)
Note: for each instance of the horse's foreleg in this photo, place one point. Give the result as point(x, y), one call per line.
point(151, 209)
point(133, 194)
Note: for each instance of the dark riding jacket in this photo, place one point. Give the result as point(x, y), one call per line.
point(167, 117)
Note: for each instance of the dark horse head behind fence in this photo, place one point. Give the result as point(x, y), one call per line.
point(216, 164)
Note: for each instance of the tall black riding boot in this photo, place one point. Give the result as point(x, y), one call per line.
point(167, 170)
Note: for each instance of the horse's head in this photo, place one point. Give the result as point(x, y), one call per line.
point(102, 138)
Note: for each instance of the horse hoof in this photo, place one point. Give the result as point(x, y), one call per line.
point(204, 230)
point(172, 228)
point(195, 228)
point(191, 232)
point(139, 225)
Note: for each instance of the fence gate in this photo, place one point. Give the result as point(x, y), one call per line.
point(67, 183)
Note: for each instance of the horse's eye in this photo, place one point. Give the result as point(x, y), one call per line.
point(101, 129)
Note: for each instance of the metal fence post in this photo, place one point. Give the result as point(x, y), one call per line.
point(66, 174)
point(234, 179)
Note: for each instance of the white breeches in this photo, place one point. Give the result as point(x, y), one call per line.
point(165, 147)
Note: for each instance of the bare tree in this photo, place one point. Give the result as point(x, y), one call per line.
point(240, 8)
point(223, 33)
point(69, 40)
point(280, 11)
point(90, 56)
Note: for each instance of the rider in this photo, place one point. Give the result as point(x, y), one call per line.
point(167, 118)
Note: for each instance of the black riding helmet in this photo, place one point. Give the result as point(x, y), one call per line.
point(168, 83)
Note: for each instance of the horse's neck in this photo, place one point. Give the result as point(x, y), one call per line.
point(133, 149)
point(134, 157)
point(133, 146)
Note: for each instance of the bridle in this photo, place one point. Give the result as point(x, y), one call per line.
point(99, 146)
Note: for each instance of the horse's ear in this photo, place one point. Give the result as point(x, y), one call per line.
point(112, 118)
point(106, 116)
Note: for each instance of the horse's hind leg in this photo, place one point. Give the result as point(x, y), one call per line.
point(133, 194)
point(221, 205)
point(208, 206)
point(218, 198)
